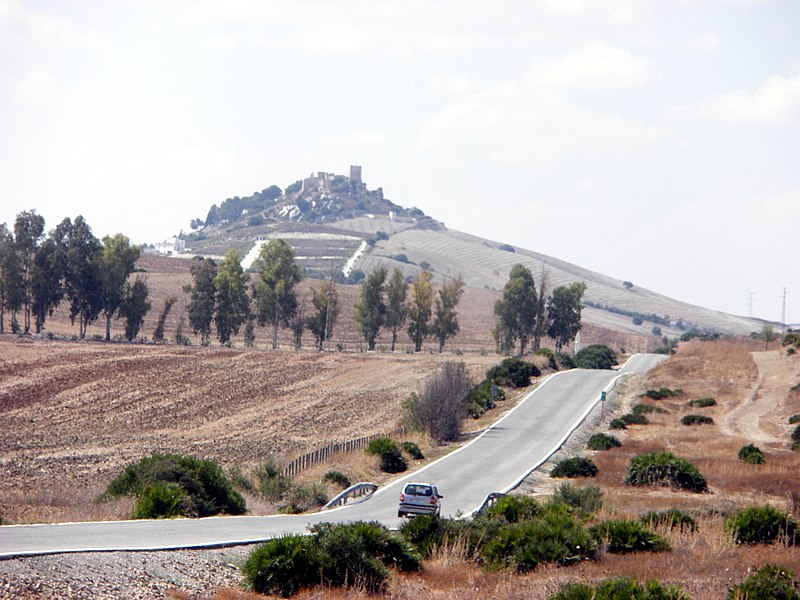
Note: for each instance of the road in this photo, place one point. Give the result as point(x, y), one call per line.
point(497, 460)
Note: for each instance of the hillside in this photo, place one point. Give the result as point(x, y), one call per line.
point(336, 225)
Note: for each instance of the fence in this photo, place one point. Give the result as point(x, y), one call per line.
point(309, 459)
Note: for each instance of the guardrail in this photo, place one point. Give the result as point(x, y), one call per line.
point(359, 490)
point(309, 459)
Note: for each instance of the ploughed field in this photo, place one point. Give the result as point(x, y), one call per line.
point(74, 413)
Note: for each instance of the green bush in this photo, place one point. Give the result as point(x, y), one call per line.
point(351, 555)
point(662, 393)
point(393, 462)
point(482, 397)
point(513, 372)
point(381, 445)
point(565, 360)
point(770, 582)
point(161, 500)
point(586, 500)
point(634, 419)
point(270, 482)
point(429, 532)
point(796, 438)
point(751, 455)
point(300, 498)
point(646, 409)
point(622, 588)
point(514, 508)
point(623, 536)
point(696, 420)
point(207, 490)
point(576, 466)
point(283, 566)
point(794, 419)
point(617, 423)
point(670, 518)
point(338, 478)
point(665, 469)
point(603, 441)
point(554, 537)
point(240, 480)
point(762, 525)
point(595, 356)
point(702, 402)
point(412, 450)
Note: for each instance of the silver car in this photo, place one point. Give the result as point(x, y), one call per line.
point(419, 499)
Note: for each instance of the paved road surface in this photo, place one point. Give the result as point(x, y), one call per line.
point(496, 461)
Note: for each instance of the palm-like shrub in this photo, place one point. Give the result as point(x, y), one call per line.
point(412, 450)
point(622, 588)
point(702, 402)
point(762, 525)
point(670, 518)
point(623, 535)
point(576, 466)
point(751, 454)
point(696, 420)
point(665, 469)
point(603, 441)
point(586, 500)
point(770, 582)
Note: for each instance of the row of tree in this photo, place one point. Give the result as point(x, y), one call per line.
point(524, 315)
point(38, 273)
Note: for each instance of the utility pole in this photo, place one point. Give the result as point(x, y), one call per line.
point(328, 313)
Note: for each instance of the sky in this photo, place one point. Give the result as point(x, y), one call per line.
point(656, 142)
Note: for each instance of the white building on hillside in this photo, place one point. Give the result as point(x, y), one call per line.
point(174, 245)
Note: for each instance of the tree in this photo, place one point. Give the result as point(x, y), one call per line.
point(542, 322)
point(46, 281)
point(28, 233)
point(158, 333)
point(768, 334)
point(326, 311)
point(274, 294)
point(419, 309)
point(396, 309)
point(516, 310)
point(202, 298)
point(117, 262)
point(441, 404)
point(445, 321)
point(370, 310)
point(134, 306)
point(564, 312)
point(233, 303)
point(10, 275)
point(298, 323)
point(82, 274)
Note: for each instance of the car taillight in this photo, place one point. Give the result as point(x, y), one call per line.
point(433, 500)
point(402, 497)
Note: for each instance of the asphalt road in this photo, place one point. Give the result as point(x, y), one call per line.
point(497, 460)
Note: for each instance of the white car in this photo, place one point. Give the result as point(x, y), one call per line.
point(419, 499)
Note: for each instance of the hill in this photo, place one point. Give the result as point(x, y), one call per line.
point(336, 225)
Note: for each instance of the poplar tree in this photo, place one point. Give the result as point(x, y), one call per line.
point(445, 322)
point(233, 303)
point(370, 310)
point(419, 309)
point(396, 309)
point(274, 293)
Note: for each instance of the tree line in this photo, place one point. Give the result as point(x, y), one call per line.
point(38, 272)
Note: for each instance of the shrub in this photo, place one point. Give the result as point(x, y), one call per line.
point(751, 455)
point(482, 397)
point(595, 356)
point(603, 441)
point(662, 393)
point(670, 518)
point(441, 403)
point(338, 478)
point(283, 566)
point(513, 372)
point(697, 420)
point(633, 419)
point(207, 490)
point(161, 500)
point(665, 469)
point(239, 479)
point(565, 360)
point(514, 508)
point(577, 466)
point(429, 532)
point(796, 438)
point(702, 402)
point(379, 446)
point(622, 588)
point(646, 409)
point(761, 525)
point(412, 450)
point(794, 419)
point(555, 536)
point(624, 535)
point(768, 583)
point(271, 483)
point(393, 462)
point(586, 500)
point(300, 498)
point(617, 423)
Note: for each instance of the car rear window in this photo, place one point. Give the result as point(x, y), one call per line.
point(418, 490)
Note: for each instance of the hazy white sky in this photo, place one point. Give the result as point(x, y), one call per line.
point(652, 141)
